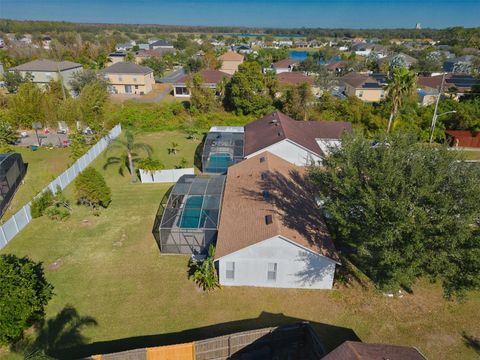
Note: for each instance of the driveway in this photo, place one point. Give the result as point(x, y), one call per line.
point(173, 77)
point(51, 138)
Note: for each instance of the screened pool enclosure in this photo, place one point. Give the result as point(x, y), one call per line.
point(12, 171)
point(188, 217)
point(223, 148)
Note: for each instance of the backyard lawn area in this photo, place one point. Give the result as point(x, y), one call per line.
point(43, 166)
point(109, 267)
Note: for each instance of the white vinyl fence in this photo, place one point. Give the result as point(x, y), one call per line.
point(18, 221)
point(164, 176)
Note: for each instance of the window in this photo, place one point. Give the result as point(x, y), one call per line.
point(230, 273)
point(360, 94)
point(266, 194)
point(268, 219)
point(134, 79)
point(136, 86)
point(120, 78)
point(272, 272)
point(48, 75)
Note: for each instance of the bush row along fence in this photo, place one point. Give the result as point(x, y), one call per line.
point(164, 176)
point(18, 221)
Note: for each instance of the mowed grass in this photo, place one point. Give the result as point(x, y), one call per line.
point(109, 267)
point(43, 166)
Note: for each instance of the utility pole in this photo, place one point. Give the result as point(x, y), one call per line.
point(434, 119)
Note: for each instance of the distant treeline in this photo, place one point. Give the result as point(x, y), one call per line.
point(445, 35)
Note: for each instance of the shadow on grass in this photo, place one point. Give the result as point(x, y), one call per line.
point(197, 157)
point(471, 342)
point(331, 336)
point(64, 331)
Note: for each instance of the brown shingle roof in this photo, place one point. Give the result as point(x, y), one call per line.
point(231, 56)
point(294, 78)
point(127, 68)
point(284, 64)
point(294, 212)
point(153, 52)
point(277, 126)
point(208, 76)
point(358, 80)
point(464, 138)
point(352, 350)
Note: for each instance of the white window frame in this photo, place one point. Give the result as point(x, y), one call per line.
point(230, 270)
point(272, 271)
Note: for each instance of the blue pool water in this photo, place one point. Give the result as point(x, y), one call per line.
point(219, 163)
point(298, 55)
point(192, 213)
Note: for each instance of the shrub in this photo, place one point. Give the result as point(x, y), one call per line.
point(57, 212)
point(24, 293)
point(150, 164)
point(40, 203)
point(204, 272)
point(91, 189)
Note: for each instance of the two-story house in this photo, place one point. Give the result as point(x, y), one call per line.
point(129, 78)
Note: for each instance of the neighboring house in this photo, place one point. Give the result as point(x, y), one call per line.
point(46, 42)
point(300, 43)
point(399, 59)
point(44, 71)
point(296, 78)
point(242, 49)
point(299, 142)
point(354, 350)
point(427, 97)
point(211, 79)
point(161, 44)
point(454, 83)
point(283, 43)
point(337, 67)
point(116, 57)
point(264, 237)
point(2, 43)
point(129, 78)
point(230, 62)
point(151, 53)
point(364, 49)
point(285, 65)
point(123, 47)
point(463, 138)
point(363, 86)
point(460, 64)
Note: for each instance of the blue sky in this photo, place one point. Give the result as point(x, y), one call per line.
point(259, 13)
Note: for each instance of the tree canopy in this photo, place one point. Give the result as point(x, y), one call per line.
point(24, 293)
point(403, 210)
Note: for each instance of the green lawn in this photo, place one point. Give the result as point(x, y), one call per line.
point(109, 267)
point(43, 166)
point(472, 154)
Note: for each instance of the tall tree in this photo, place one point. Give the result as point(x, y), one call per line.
point(13, 80)
point(201, 97)
point(128, 153)
point(25, 107)
point(246, 92)
point(403, 210)
point(92, 100)
point(82, 78)
point(297, 101)
point(24, 293)
point(402, 84)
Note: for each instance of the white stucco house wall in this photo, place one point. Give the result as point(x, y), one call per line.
point(298, 142)
point(263, 239)
point(277, 262)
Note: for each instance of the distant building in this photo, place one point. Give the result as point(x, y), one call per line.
point(463, 138)
point(116, 57)
point(46, 42)
point(363, 86)
point(161, 44)
point(285, 65)
point(461, 64)
point(44, 71)
point(454, 83)
point(151, 53)
point(418, 26)
point(211, 79)
point(129, 78)
point(399, 59)
point(230, 62)
point(296, 78)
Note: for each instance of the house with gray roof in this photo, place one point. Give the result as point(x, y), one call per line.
point(44, 71)
point(129, 78)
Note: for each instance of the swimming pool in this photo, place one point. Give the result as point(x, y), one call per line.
point(218, 163)
point(192, 213)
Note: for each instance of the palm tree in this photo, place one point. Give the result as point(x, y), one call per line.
point(129, 155)
point(401, 85)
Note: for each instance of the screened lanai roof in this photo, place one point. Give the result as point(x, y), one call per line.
point(223, 147)
point(194, 203)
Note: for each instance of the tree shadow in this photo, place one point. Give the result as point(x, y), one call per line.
point(56, 334)
point(471, 342)
point(295, 206)
point(197, 157)
point(330, 336)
